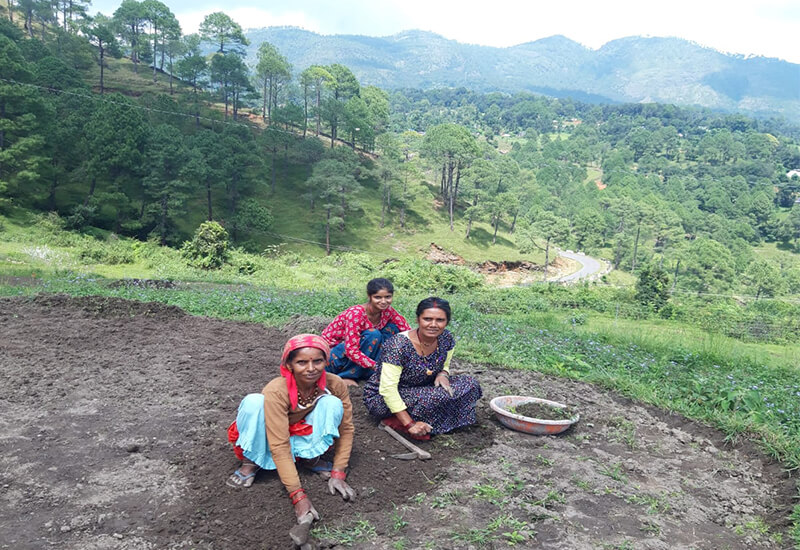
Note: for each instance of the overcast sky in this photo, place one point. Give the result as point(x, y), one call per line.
point(753, 27)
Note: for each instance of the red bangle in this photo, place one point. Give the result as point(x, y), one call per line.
point(298, 499)
point(336, 474)
point(293, 493)
point(407, 426)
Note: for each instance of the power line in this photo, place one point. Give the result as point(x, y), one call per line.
point(97, 98)
point(337, 247)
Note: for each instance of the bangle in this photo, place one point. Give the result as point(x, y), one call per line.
point(293, 493)
point(298, 499)
point(336, 474)
point(447, 374)
point(407, 426)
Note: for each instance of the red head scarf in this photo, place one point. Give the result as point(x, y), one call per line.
point(297, 342)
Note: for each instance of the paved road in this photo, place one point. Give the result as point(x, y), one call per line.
point(589, 266)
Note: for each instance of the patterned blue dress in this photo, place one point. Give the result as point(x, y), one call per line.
point(424, 401)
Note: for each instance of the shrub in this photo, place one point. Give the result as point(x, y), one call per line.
point(652, 287)
point(208, 249)
point(113, 252)
point(423, 276)
point(81, 216)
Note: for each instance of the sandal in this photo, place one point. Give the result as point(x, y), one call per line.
point(239, 480)
point(394, 424)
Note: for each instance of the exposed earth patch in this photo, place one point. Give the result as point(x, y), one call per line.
point(112, 429)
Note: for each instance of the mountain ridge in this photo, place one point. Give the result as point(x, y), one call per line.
point(628, 69)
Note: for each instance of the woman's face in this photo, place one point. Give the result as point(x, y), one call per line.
point(381, 300)
point(432, 322)
point(307, 365)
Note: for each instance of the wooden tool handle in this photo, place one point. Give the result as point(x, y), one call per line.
point(424, 455)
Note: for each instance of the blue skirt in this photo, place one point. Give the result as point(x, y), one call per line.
point(369, 344)
point(325, 420)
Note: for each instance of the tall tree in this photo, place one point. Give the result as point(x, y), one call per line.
point(219, 28)
point(101, 34)
point(345, 86)
point(162, 24)
point(206, 164)
point(543, 225)
point(480, 182)
point(764, 277)
point(272, 70)
point(192, 67)
point(708, 266)
point(130, 18)
point(22, 112)
point(316, 78)
point(387, 170)
point(330, 179)
point(242, 166)
point(452, 148)
point(166, 184)
point(116, 134)
point(271, 140)
point(230, 72)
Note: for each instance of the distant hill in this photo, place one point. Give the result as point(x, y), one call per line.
point(634, 69)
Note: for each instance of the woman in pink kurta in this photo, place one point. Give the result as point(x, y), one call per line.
point(356, 334)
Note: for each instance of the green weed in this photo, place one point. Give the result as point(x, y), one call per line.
point(614, 472)
point(551, 497)
point(651, 528)
point(655, 503)
point(446, 499)
point(360, 530)
point(543, 461)
point(624, 432)
point(488, 492)
point(397, 520)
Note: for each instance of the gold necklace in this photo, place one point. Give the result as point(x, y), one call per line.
point(306, 401)
point(423, 344)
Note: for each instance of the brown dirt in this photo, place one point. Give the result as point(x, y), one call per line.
point(112, 430)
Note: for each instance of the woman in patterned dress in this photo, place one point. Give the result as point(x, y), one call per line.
point(356, 334)
point(412, 390)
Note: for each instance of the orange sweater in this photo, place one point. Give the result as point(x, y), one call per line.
point(278, 417)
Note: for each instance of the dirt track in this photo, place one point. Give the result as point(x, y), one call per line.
point(112, 436)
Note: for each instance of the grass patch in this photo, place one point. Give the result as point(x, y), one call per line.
point(357, 531)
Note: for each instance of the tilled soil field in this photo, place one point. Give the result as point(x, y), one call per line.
point(112, 436)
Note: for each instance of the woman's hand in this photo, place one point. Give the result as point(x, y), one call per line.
point(443, 380)
point(303, 508)
point(340, 485)
point(420, 428)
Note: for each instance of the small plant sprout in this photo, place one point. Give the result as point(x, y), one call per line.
point(624, 432)
point(543, 461)
point(488, 492)
point(446, 499)
point(398, 522)
point(551, 497)
point(614, 472)
point(651, 528)
point(360, 530)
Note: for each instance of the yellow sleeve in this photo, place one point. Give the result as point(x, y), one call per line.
point(390, 378)
point(447, 359)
